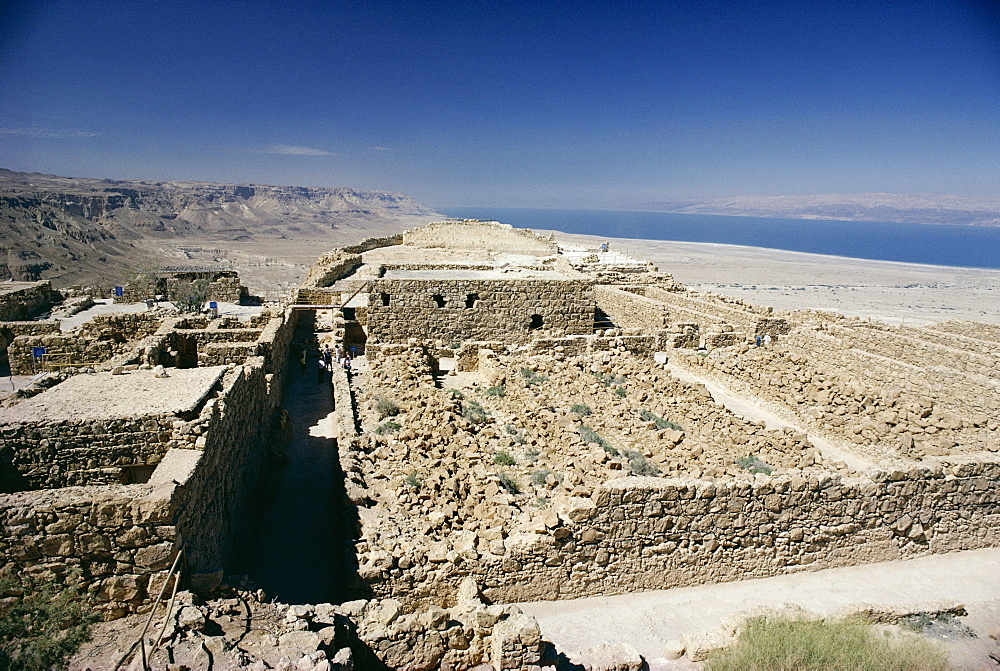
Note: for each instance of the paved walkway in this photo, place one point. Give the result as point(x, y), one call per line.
point(648, 620)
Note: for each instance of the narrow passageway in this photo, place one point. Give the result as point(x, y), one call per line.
point(293, 549)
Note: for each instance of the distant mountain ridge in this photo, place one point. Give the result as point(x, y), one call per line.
point(888, 207)
point(72, 228)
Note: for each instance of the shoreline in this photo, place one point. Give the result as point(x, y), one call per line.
point(895, 292)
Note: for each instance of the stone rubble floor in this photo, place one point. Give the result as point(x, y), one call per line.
point(649, 620)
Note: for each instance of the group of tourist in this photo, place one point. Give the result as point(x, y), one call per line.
point(765, 340)
point(325, 360)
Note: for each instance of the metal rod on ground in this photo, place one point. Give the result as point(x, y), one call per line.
point(152, 611)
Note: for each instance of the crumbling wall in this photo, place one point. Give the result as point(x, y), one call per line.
point(497, 309)
point(27, 301)
point(369, 244)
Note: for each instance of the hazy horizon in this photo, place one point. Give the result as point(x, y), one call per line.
point(578, 105)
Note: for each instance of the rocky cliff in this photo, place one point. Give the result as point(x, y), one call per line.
point(71, 230)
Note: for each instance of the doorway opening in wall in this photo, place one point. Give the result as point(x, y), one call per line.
point(187, 352)
point(471, 300)
point(385, 299)
point(350, 314)
point(438, 300)
point(602, 320)
point(536, 323)
point(137, 475)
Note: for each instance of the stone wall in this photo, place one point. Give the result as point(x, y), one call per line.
point(46, 455)
point(97, 341)
point(498, 309)
point(121, 539)
point(706, 309)
point(480, 235)
point(28, 301)
point(330, 267)
point(628, 309)
point(369, 244)
point(649, 533)
point(118, 541)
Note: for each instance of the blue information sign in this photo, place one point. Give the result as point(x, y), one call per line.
point(119, 291)
point(38, 352)
point(212, 305)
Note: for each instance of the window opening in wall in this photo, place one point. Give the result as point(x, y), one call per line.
point(439, 300)
point(471, 300)
point(350, 314)
point(536, 323)
point(385, 299)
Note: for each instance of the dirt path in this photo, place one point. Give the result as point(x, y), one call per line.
point(756, 410)
point(649, 620)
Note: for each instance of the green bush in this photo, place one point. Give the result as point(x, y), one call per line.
point(639, 464)
point(475, 413)
point(500, 391)
point(754, 465)
point(509, 483)
point(388, 427)
point(660, 423)
point(580, 409)
point(621, 392)
point(609, 380)
point(44, 626)
point(513, 432)
point(538, 477)
point(531, 377)
point(411, 480)
point(815, 645)
point(591, 436)
point(386, 407)
point(504, 458)
point(532, 454)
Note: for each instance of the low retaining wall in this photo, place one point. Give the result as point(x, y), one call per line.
point(648, 533)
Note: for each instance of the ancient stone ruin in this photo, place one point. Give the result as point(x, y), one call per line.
point(522, 420)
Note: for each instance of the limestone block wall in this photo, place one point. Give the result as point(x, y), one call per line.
point(330, 267)
point(121, 539)
point(233, 451)
point(227, 290)
point(117, 541)
point(369, 244)
point(86, 452)
point(716, 309)
point(499, 309)
point(966, 393)
point(97, 341)
point(891, 343)
point(650, 533)
point(482, 235)
point(979, 330)
point(27, 302)
point(632, 310)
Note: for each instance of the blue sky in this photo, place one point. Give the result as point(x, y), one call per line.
point(535, 104)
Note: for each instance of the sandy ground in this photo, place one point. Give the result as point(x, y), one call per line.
point(649, 620)
point(888, 291)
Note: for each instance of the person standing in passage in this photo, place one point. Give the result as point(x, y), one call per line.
point(302, 361)
point(757, 339)
point(320, 367)
point(767, 340)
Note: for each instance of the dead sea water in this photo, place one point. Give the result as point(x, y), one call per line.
point(945, 245)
